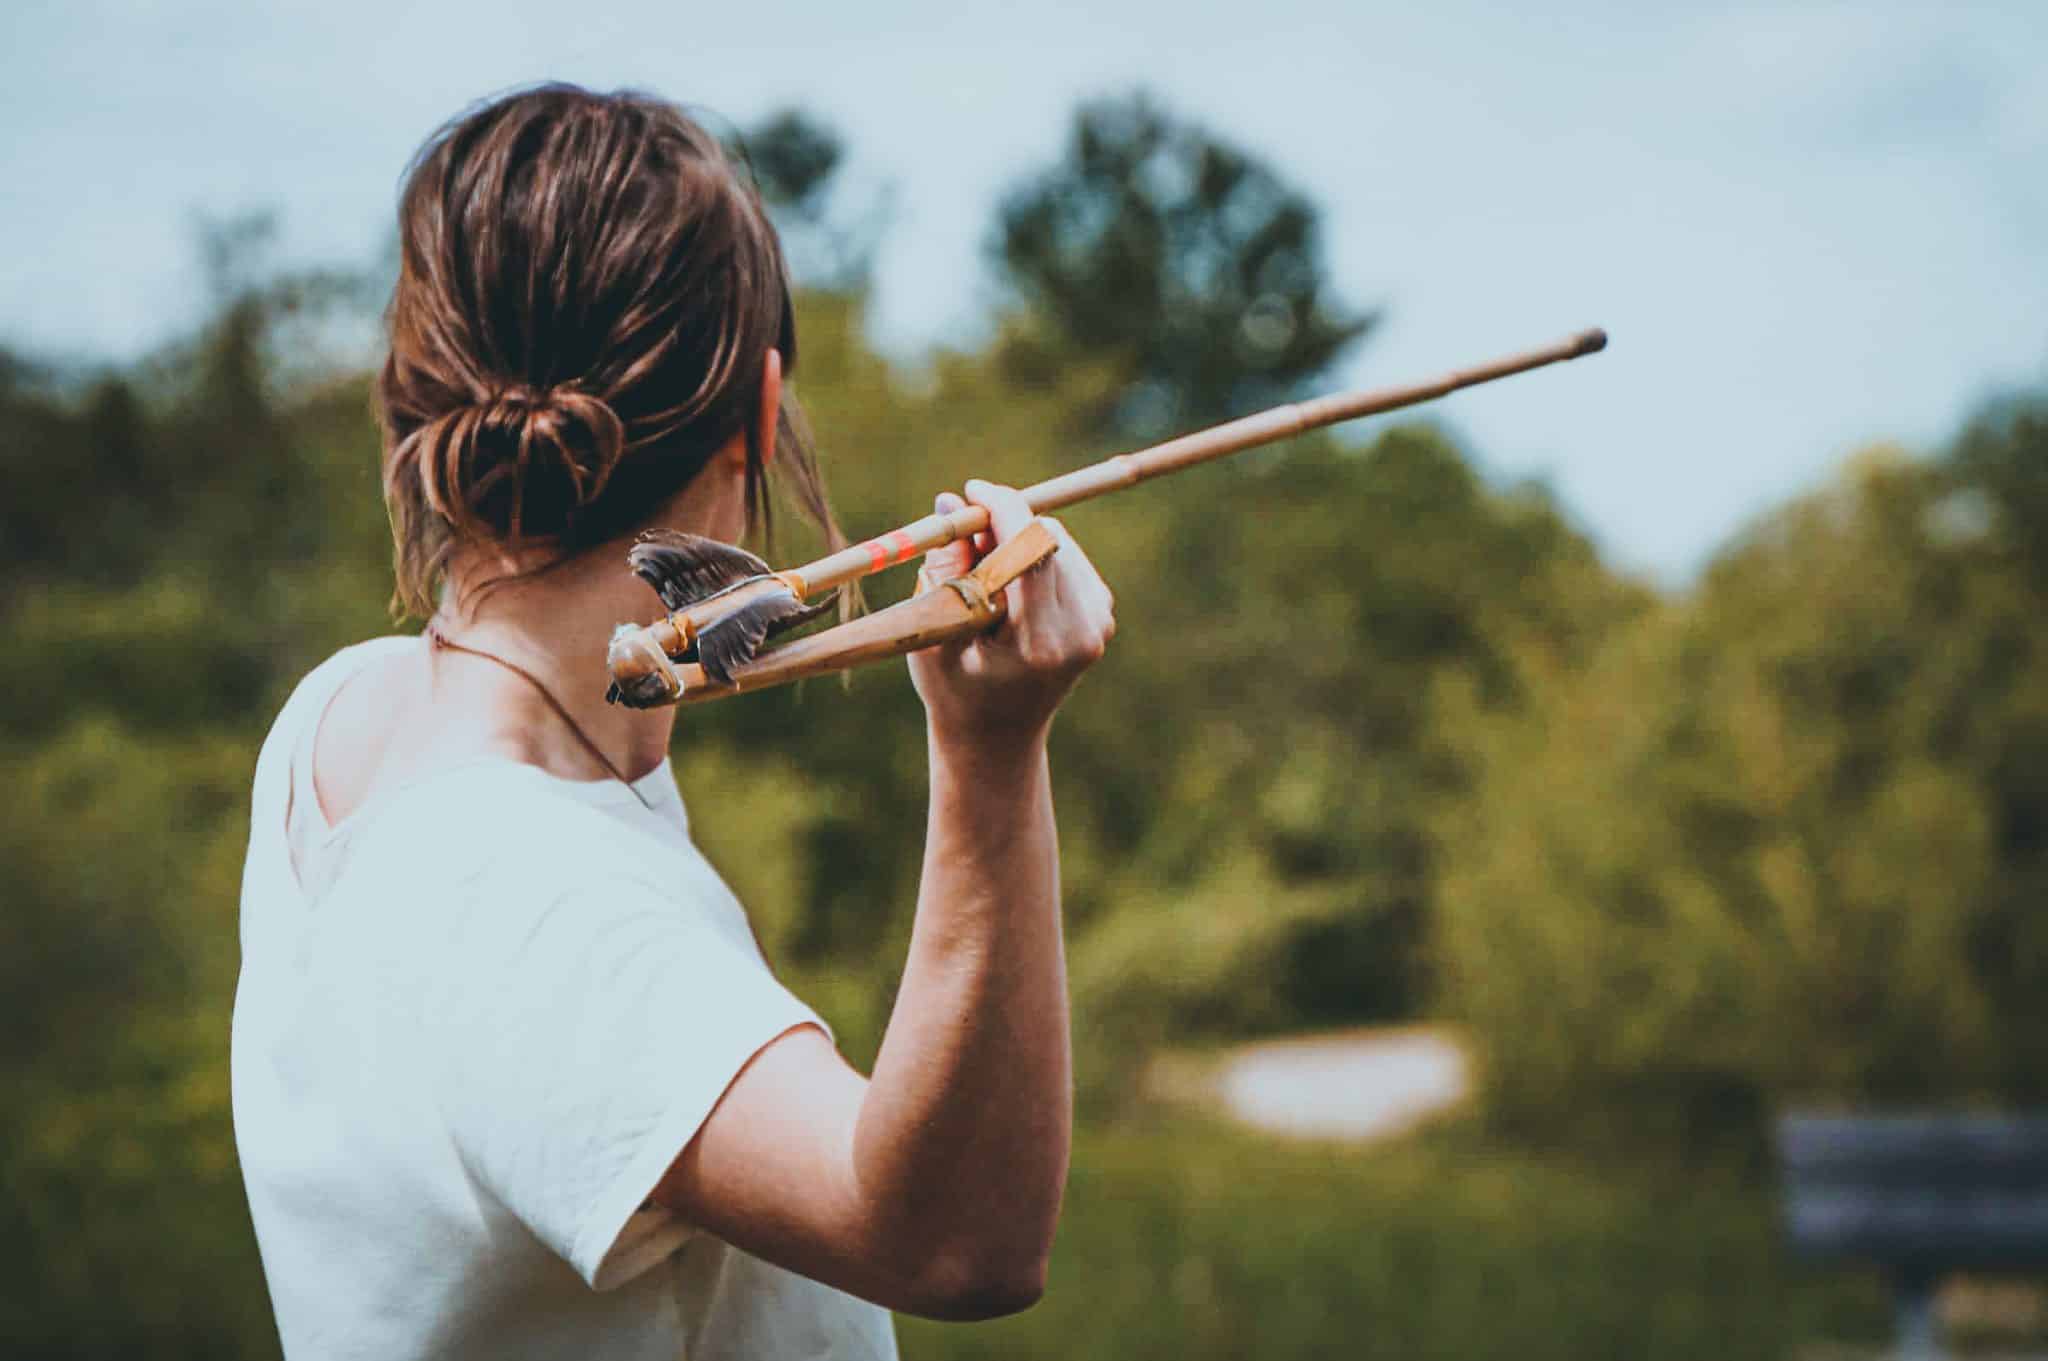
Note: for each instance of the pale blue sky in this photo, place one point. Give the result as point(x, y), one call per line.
point(1808, 226)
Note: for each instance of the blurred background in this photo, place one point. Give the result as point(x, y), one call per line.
point(1485, 825)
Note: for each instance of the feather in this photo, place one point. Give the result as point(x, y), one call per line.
point(730, 642)
point(689, 569)
point(684, 568)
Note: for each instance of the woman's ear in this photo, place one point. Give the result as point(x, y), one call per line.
point(769, 418)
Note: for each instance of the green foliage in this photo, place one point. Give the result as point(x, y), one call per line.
point(2001, 463)
point(183, 541)
point(796, 159)
point(120, 1200)
point(1782, 842)
point(1161, 246)
point(1187, 1245)
point(1296, 615)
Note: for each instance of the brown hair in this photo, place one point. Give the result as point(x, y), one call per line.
point(586, 297)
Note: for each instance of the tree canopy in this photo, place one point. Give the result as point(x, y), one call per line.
point(1160, 245)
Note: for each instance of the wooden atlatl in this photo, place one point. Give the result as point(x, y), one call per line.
point(641, 660)
point(953, 609)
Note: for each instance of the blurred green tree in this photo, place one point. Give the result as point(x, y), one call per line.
point(1783, 841)
point(1160, 245)
point(797, 160)
point(794, 155)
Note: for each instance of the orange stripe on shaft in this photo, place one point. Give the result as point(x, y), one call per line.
point(906, 546)
point(878, 556)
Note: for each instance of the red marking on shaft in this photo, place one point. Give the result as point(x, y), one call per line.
point(905, 545)
point(878, 556)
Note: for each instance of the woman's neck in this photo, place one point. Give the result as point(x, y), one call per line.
point(553, 626)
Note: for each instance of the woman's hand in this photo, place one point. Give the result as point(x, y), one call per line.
point(1004, 685)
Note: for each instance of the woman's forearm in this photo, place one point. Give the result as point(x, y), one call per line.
point(934, 1185)
point(965, 1127)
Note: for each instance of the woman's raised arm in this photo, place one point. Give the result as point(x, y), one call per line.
point(934, 1186)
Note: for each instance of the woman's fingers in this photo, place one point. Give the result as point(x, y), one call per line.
point(1032, 597)
point(1080, 583)
point(1008, 511)
point(1061, 615)
point(951, 559)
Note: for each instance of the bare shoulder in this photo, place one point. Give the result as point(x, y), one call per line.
point(366, 738)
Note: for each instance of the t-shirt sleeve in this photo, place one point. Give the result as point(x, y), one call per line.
point(577, 1042)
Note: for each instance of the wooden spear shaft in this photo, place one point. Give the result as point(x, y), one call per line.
point(1127, 470)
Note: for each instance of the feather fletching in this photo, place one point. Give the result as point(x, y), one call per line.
point(732, 641)
point(689, 569)
point(684, 568)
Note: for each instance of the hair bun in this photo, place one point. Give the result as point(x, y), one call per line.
point(520, 463)
point(553, 233)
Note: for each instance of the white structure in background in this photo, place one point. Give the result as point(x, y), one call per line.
point(1361, 1085)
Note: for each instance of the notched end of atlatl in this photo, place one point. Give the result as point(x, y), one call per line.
point(639, 678)
point(647, 692)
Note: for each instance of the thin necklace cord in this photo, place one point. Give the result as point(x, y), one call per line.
point(438, 639)
point(441, 640)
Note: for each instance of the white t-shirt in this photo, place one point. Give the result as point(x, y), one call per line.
point(476, 1022)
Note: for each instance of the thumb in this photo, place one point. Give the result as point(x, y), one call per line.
point(947, 560)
